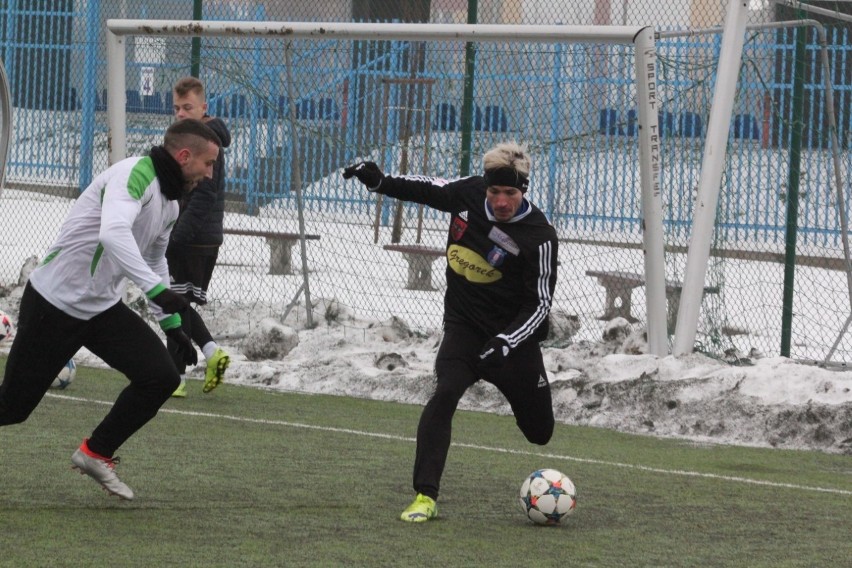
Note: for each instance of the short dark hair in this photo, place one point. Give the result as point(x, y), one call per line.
point(189, 133)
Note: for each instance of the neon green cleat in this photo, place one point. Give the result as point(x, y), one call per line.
point(216, 366)
point(180, 392)
point(421, 510)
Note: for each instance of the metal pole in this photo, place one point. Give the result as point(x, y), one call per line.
point(648, 103)
point(297, 182)
point(496, 33)
point(815, 10)
point(116, 97)
point(794, 173)
point(5, 123)
point(195, 55)
point(709, 184)
point(467, 101)
point(87, 126)
point(556, 128)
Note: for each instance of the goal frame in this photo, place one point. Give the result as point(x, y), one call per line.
point(5, 123)
point(642, 38)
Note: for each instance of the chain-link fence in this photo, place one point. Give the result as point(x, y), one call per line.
point(433, 108)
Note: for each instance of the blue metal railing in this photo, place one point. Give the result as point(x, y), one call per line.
point(579, 124)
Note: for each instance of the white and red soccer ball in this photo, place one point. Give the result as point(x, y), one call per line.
point(547, 497)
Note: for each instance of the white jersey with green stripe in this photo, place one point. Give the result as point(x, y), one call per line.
point(118, 229)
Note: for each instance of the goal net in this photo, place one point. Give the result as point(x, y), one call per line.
point(416, 99)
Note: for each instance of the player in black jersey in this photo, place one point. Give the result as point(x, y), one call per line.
point(501, 276)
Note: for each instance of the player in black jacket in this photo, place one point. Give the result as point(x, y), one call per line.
point(196, 238)
point(501, 275)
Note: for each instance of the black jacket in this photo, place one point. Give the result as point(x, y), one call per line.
point(500, 276)
point(203, 210)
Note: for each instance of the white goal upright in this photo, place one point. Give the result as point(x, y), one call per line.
point(640, 42)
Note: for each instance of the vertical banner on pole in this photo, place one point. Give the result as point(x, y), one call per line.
point(652, 202)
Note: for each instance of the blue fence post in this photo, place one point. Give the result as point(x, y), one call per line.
point(392, 124)
point(555, 132)
point(252, 197)
point(350, 83)
point(275, 125)
point(7, 61)
point(87, 131)
point(9, 53)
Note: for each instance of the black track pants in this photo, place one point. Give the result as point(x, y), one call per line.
point(47, 337)
point(522, 380)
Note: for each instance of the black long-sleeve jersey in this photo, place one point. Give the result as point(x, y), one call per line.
point(501, 276)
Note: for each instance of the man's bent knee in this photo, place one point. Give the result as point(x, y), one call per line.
point(447, 395)
point(9, 416)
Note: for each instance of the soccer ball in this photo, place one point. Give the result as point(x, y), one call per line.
point(547, 497)
point(7, 330)
point(65, 376)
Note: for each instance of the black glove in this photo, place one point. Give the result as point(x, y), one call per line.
point(170, 301)
point(367, 173)
point(494, 354)
point(183, 346)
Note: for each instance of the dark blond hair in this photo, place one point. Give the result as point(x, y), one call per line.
point(189, 85)
point(507, 155)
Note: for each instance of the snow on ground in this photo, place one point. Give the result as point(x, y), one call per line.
point(611, 383)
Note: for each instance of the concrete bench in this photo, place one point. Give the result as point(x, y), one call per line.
point(280, 247)
point(420, 259)
point(619, 291)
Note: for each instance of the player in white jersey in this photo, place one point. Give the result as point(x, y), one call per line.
point(118, 229)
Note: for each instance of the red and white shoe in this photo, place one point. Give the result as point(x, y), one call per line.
point(100, 469)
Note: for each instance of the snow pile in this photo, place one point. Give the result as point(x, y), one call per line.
point(611, 383)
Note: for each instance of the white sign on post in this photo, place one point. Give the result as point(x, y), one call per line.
point(146, 81)
point(151, 52)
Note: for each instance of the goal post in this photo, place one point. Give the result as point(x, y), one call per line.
point(709, 184)
point(5, 123)
point(641, 39)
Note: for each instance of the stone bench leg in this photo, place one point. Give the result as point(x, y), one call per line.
point(673, 298)
point(619, 302)
point(280, 256)
point(419, 271)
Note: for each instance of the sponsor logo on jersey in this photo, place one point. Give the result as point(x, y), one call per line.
point(457, 228)
point(463, 215)
point(542, 382)
point(496, 256)
point(471, 266)
point(504, 240)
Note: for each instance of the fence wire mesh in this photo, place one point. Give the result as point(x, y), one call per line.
point(404, 105)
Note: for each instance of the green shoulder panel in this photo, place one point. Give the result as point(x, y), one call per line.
point(141, 177)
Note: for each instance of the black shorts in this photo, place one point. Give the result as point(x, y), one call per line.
point(191, 269)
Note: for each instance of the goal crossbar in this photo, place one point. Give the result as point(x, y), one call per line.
point(640, 37)
point(372, 31)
